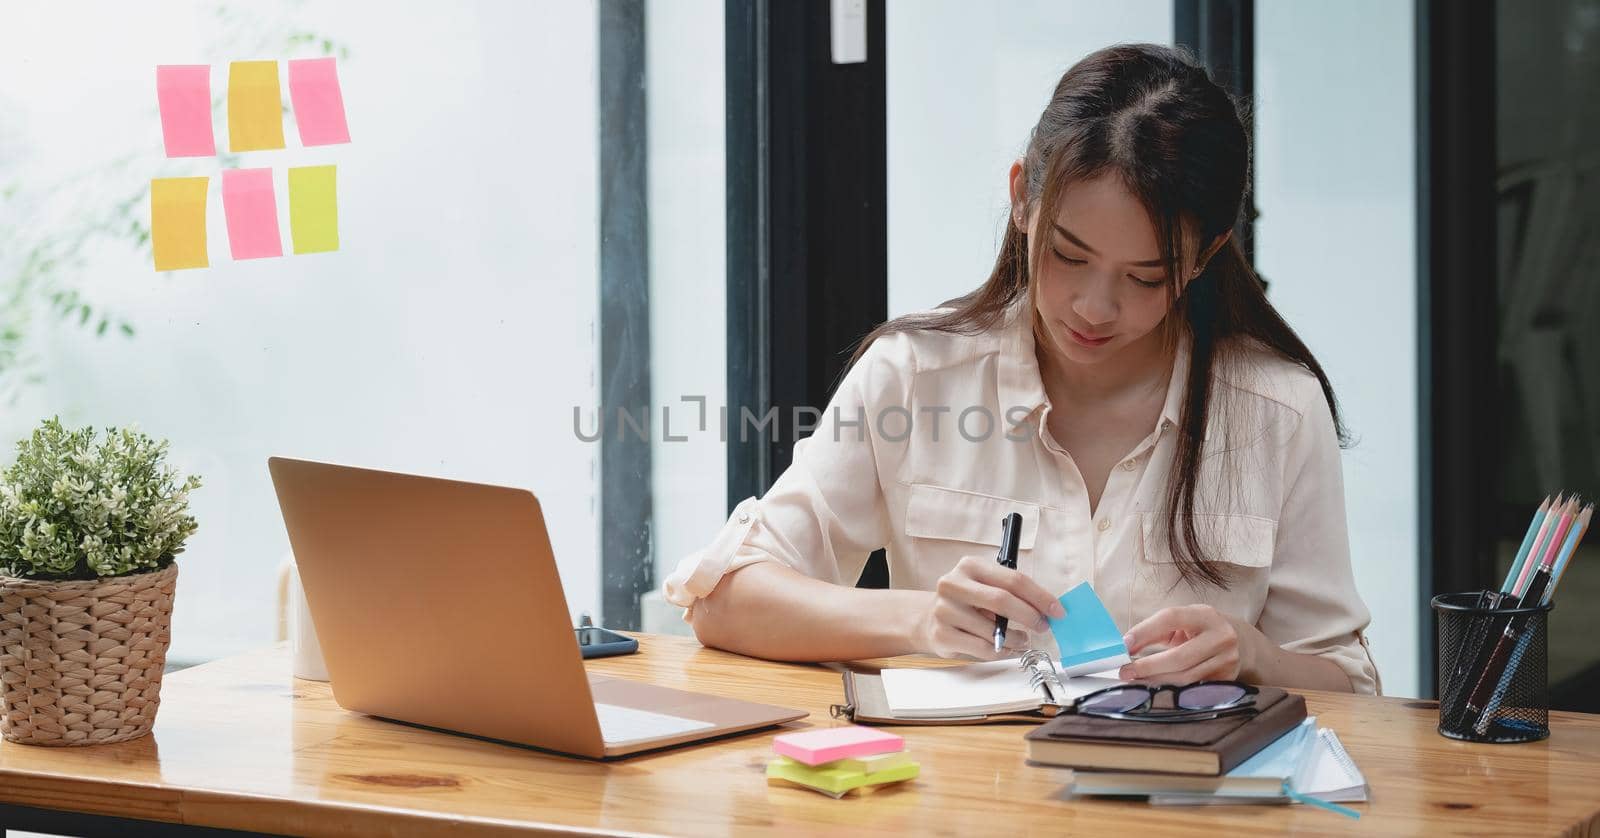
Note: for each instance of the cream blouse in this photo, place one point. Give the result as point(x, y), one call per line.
point(932, 438)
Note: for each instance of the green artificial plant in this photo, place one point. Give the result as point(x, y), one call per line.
point(76, 505)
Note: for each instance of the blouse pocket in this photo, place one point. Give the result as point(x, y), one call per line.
point(1241, 545)
point(936, 512)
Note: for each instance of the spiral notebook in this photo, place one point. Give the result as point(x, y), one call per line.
point(1091, 652)
point(1030, 686)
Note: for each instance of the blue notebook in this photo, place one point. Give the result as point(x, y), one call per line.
point(1087, 637)
point(1334, 778)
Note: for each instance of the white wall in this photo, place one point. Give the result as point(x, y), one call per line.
point(966, 82)
point(450, 335)
point(688, 284)
point(1335, 177)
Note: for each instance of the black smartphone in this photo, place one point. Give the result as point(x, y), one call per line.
point(596, 642)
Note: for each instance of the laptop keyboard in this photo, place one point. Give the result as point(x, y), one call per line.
point(627, 724)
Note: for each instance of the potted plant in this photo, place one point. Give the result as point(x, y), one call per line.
point(89, 527)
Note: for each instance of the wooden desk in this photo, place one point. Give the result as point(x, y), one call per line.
point(240, 744)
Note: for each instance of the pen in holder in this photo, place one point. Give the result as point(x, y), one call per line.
point(1493, 679)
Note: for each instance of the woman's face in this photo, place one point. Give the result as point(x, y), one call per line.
point(1100, 284)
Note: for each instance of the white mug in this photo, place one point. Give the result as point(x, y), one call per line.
point(308, 662)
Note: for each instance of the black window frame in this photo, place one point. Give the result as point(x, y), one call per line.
point(807, 257)
point(1456, 304)
point(807, 251)
point(1221, 34)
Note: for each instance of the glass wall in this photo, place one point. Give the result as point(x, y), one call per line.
point(1336, 240)
point(454, 330)
point(688, 284)
point(1547, 130)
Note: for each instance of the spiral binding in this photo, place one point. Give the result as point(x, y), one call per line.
point(1042, 675)
point(1336, 748)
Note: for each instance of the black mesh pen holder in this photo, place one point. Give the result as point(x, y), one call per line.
point(1493, 669)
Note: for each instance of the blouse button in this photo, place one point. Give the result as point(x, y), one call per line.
point(744, 517)
point(1128, 465)
point(1105, 524)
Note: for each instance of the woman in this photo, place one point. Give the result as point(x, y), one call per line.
point(1164, 434)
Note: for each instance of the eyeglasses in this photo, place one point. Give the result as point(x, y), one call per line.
point(1195, 702)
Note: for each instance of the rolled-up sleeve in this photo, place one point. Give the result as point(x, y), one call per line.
point(1312, 605)
point(826, 513)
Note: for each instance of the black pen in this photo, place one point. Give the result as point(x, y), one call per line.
point(1010, 531)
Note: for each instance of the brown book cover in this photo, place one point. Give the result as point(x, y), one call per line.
point(1211, 748)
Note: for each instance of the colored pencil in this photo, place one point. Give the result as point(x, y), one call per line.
point(1527, 545)
point(1568, 547)
point(1539, 542)
point(1580, 529)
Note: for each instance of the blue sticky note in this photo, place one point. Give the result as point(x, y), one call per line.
point(1087, 634)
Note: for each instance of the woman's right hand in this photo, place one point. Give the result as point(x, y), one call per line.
point(960, 621)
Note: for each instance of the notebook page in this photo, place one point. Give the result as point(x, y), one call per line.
point(974, 689)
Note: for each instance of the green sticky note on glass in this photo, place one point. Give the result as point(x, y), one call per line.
point(313, 209)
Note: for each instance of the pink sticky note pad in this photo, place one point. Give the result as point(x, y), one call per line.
point(318, 103)
point(252, 211)
point(815, 747)
point(183, 92)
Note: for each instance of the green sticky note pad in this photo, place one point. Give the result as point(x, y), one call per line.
point(313, 209)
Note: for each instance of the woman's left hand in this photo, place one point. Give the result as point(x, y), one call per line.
point(1202, 644)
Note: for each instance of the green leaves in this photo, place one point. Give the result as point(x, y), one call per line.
point(75, 505)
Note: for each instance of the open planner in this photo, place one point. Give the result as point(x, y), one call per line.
point(1030, 686)
point(1091, 652)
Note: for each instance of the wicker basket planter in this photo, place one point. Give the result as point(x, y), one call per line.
point(81, 662)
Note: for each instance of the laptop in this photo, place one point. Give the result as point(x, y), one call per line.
point(438, 603)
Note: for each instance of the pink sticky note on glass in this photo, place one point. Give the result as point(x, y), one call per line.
point(815, 747)
point(183, 92)
point(252, 211)
point(318, 104)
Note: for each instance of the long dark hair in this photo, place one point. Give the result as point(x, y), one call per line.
point(1152, 117)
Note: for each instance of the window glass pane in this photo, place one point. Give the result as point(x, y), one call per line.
point(450, 334)
point(1336, 240)
point(966, 83)
point(688, 235)
point(1547, 62)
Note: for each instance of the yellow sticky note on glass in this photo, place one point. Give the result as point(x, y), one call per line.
point(313, 209)
point(178, 222)
point(255, 106)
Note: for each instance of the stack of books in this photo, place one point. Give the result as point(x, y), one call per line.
point(840, 760)
point(1275, 755)
point(1305, 765)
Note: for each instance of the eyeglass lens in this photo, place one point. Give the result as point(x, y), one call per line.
point(1208, 696)
point(1200, 697)
point(1119, 700)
